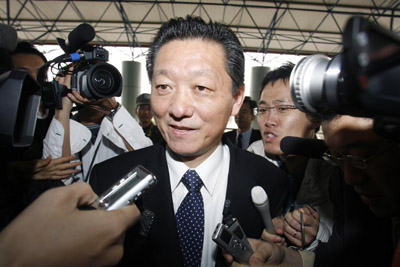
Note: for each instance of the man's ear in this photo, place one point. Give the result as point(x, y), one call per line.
point(238, 100)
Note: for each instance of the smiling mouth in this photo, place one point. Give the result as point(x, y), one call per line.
point(181, 129)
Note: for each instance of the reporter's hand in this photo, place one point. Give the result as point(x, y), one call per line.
point(268, 254)
point(78, 99)
point(72, 97)
point(52, 231)
point(276, 239)
point(47, 168)
point(67, 104)
point(292, 225)
point(104, 105)
point(53, 169)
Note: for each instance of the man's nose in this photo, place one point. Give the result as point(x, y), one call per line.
point(271, 118)
point(181, 103)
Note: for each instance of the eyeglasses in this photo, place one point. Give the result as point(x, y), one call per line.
point(279, 109)
point(356, 161)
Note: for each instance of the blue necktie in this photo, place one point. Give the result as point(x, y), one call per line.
point(190, 220)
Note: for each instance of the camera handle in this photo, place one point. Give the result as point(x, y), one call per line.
point(52, 94)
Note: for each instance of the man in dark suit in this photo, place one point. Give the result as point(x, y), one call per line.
point(196, 71)
point(244, 135)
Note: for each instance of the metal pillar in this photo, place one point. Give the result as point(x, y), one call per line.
point(257, 75)
point(131, 85)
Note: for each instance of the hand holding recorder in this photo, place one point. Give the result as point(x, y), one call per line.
point(89, 237)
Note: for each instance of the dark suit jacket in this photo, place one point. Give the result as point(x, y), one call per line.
point(161, 248)
point(359, 237)
point(255, 135)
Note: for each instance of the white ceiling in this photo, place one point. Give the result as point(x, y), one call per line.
point(290, 27)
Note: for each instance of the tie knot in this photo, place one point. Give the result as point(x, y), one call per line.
point(192, 181)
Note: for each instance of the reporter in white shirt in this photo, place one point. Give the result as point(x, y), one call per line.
point(117, 132)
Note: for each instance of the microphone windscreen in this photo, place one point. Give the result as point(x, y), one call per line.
point(8, 37)
point(258, 195)
point(311, 148)
point(79, 37)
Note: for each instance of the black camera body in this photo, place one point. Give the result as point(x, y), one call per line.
point(19, 105)
point(92, 76)
point(363, 80)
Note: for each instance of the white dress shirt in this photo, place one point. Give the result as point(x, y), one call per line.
point(108, 144)
point(257, 148)
point(214, 174)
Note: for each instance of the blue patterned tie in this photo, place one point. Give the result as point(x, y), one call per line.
point(190, 220)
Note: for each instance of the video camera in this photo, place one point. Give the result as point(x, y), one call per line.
point(21, 94)
point(91, 76)
point(363, 80)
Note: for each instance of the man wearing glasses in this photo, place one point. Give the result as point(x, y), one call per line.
point(278, 117)
point(370, 165)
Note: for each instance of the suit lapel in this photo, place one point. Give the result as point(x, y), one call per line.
point(163, 234)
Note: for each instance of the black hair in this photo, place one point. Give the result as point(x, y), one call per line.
point(283, 73)
point(196, 28)
point(27, 48)
point(252, 103)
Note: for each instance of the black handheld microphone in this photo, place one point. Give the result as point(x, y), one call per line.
point(311, 148)
point(77, 38)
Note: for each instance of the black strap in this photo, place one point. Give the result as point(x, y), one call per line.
point(86, 178)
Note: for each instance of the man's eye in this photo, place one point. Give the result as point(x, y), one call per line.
point(201, 88)
point(262, 110)
point(162, 86)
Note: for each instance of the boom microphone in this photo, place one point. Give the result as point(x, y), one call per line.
point(260, 200)
point(8, 37)
point(307, 147)
point(77, 38)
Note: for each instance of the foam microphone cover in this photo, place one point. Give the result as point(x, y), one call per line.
point(8, 37)
point(79, 37)
point(311, 148)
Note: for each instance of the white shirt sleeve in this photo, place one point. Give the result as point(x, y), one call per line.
point(52, 144)
point(125, 125)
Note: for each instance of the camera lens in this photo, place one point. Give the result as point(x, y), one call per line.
point(103, 81)
point(314, 83)
point(306, 82)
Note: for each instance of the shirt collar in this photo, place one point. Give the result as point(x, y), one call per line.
point(208, 170)
point(246, 133)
